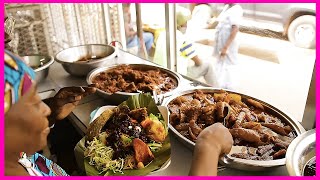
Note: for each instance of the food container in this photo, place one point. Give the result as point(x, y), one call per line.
point(300, 152)
point(80, 60)
point(40, 64)
point(163, 110)
point(118, 97)
point(237, 163)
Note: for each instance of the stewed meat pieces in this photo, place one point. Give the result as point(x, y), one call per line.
point(125, 78)
point(264, 135)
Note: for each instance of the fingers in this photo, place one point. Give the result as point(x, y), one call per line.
point(89, 90)
point(70, 99)
point(75, 91)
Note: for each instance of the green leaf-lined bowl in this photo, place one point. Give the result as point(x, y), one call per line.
point(162, 156)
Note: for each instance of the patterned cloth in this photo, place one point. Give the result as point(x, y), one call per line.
point(38, 165)
point(18, 80)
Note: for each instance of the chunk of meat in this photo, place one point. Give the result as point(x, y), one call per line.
point(279, 143)
point(255, 104)
point(196, 130)
point(193, 114)
point(266, 138)
point(220, 109)
point(179, 100)
point(276, 128)
point(251, 125)
point(174, 119)
point(280, 154)
point(182, 127)
point(245, 134)
point(267, 155)
point(196, 103)
point(239, 120)
point(263, 149)
point(142, 153)
point(193, 137)
point(139, 114)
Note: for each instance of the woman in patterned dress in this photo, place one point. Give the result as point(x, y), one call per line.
point(28, 119)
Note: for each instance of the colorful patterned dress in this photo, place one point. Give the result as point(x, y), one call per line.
point(18, 79)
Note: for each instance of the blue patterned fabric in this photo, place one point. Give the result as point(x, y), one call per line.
point(46, 166)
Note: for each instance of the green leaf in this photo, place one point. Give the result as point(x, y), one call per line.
point(140, 101)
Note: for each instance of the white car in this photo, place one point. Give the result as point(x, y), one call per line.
point(298, 20)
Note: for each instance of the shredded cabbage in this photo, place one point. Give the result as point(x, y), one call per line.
point(100, 156)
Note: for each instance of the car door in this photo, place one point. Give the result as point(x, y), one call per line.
point(270, 11)
point(248, 10)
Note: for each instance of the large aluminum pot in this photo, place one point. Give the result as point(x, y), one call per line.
point(40, 64)
point(300, 152)
point(237, 163)
point(80, 60)
point(118, 97)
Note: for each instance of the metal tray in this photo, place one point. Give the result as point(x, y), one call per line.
point(118, 97)
point(237, 163)
point(301, 150)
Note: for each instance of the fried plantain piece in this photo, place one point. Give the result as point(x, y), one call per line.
point(154, 129)
point(96, 126)
point(142, 153)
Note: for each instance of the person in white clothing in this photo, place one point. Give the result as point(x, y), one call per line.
point(226, 47)
point(186, 51)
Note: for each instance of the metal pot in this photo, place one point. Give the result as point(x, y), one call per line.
point(300, 152)
point(119, 97)
point(40, 64)
point(80, 60)
point(237, 163)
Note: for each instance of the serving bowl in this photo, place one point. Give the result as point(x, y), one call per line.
point(118, 97)
point(80, 60)
point(227, 160)
point(300, 152)
point(40, 64)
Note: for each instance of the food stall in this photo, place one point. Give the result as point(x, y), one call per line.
point(181, 155)
point(59, 76)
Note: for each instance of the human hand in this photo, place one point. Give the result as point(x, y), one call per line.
point(223, 52)
point(212, 142)
point(63, 103)
point(216, 136)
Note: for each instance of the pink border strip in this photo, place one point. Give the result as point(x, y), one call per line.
point(2, 92)
point(158, 1)
point(164, 1)
point(317, 90)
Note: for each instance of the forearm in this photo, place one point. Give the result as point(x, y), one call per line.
point(232, 36)
point(197, 60)
point(205, 160)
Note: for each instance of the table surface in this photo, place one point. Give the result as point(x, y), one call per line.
point(181, 156)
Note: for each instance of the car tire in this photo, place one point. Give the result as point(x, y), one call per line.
point(302, 31)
